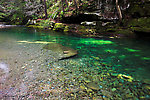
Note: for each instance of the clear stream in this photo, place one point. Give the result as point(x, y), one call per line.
point(125, 56)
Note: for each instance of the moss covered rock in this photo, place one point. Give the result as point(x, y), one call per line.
point(142, 31)
point(139, 22)
point(66, 28)
point(125, 32)
point(59, 27)
point(140, 26)
point(34, 26)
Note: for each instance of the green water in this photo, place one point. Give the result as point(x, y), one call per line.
point(126, 56)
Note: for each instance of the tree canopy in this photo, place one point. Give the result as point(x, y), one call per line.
point(19, 11)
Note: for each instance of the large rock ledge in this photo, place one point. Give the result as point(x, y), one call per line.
point(62, 51)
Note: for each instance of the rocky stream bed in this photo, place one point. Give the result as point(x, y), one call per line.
point(35, 70)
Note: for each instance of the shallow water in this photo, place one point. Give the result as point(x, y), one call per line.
point(22, 58)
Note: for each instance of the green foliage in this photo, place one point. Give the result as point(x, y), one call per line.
point(45, 23)
point(59, 26)
point(139, 22)
point(2, 15)
point(57, 9)
point(19, 11)
point(16, 10)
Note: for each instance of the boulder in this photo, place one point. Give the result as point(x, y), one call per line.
point(140, 26)
point(92, 85)
point(61, 51)
point(88, 23)
point(59, 27)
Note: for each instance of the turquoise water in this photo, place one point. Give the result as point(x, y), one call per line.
point(105, 68)
point(128, 56)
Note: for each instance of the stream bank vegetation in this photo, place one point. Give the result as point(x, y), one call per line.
point(90, 18)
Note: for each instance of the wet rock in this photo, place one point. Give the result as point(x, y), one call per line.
point(87, 80)
point(89, 90)
point(59, 27)
point(82, 87)
point(125, 77)
point(106, 94)
point(61, 51)
point(114, 74)
point(113, 89)
point(92, 85)
point(146, 81)
point(129, 96)
point(88, 23)
point(147, 87)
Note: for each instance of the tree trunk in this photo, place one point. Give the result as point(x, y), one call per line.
point(118, 10)
point(75, 3)
point(45, 9)
point(66, 2)
point(98, 4)
point(62, 4)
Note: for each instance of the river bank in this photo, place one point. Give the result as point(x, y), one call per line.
point(130, 28)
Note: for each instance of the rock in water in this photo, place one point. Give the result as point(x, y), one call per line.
point(62, 51)
point(92, 85)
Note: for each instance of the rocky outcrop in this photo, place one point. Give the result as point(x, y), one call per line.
point(140, 26)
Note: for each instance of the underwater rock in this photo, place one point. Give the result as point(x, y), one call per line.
point(147, 87)
point(114, 74)
point(82, 87)
point(89, 90)
point(146, 81)
point(113, 89)
point(106, 94)
point(92, 85)
point(125, 77)
point(129, 96)
point(62, 51)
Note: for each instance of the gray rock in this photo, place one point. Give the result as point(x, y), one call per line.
point(62, 51)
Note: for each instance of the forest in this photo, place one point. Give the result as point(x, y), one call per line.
point(74, 49)
point(104, 16)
